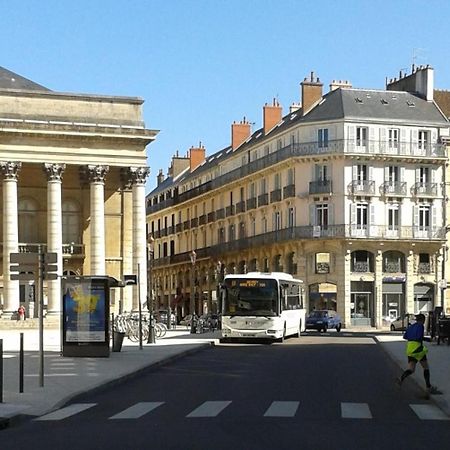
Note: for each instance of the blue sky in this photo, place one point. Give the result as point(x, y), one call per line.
point(202, 64)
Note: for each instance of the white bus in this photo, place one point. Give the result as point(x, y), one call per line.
point(262, 305)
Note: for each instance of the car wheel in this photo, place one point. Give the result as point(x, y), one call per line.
point(338, 328)
point(325, 328)
point(392, 328)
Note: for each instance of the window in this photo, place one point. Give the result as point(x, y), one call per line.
point(322, 137)
point(27, 212)
point(424, 217)
point(322, 215)
point(393, 138)
point(253, 226)
point(266, 150)
point(277, 181)
point(241, 194)
point(321, 172)
point(423, 139)
point(263, 186)
point(221, 235)
point(361, 136)
point(241, 230)
point(231, 233)
point(393, 217)
point(264, 224)
point(70, 222)
point(290, 177)
point(252, 190)
point(279, 144)
point(291, 217)
point(361, 173)
point(361, 216)
point(424, 175)
point(393, 174)
point(276, 221)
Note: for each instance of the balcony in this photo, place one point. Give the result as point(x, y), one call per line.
point(289, 191)
point(304, 149)
point(179, 227)
point(362, 187)
point(202, 219)
point(424, 268)
point(194, 222)
point(395, 188)
point(263, 199)
point(229, 211)
point(275, 196)
point(186, 225)
point(211, 217)
point(251, 203)
point(320, 187)
point(393, 267)
point(220, 214)
point(240, 207)
point(424, 189)
point(361, 266)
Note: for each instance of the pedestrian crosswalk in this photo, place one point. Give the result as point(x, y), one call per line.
point(209, 409)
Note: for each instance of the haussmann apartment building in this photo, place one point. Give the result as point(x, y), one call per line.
point(346, 192)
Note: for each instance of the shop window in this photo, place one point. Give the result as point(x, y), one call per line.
point(322, 263)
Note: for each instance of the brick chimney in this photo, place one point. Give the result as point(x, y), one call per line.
point(272, 114)
point(196, 156)
point(311, 93)
point(240, 132)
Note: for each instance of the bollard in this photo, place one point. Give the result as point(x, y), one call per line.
point(21, 364)
point(1, 370)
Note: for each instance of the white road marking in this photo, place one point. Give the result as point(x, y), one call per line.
point(68, 411)
point(355, 411)
point(137, 410)
point(209, 409)
point(282, 409)
point(429, 412)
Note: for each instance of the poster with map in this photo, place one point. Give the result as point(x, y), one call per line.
point(84, 310)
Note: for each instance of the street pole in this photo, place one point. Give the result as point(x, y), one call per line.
point(193, 257)
point(40, 280)
point(151, 324)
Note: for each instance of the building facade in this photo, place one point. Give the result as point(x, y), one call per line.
point(73, 171)
point(346, 192)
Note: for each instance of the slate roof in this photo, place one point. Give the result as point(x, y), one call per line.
point(11, 80)
point(342, 103)
point(442, 98)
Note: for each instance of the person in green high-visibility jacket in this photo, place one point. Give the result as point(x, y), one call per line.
point(417, 352)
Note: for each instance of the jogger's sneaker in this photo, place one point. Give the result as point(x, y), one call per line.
point(434, 390)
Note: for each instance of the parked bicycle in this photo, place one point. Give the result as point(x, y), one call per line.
point(128, 323)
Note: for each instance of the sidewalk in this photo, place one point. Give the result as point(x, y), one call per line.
point(438, 358)
point(67, 377)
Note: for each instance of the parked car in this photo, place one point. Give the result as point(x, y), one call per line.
point(322, 320)
point(402, 322)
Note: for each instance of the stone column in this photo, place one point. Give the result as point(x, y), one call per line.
point(11, 296)
point(137, 177)
point(54, 231)
point(97, 176)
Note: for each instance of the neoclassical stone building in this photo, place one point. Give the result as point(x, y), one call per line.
point(73, 171)
point(346, 191)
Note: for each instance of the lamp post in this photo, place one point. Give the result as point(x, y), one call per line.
point(193, 257)
point(151, 323)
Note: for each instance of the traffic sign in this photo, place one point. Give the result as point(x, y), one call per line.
point(51, 276)
point(23, 276)
point(23, 268)
point(24, 258)
point(51, 257)
point(50, 268)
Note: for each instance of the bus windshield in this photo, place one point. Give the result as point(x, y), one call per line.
point(250, 297)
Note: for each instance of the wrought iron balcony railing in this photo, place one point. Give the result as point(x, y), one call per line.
point(320, 187)
point(275, 196)
point(289, 191)
point(424, 189)
point(362, 187)
point(397, 188)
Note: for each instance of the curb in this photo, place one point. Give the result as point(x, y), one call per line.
point(21, 417)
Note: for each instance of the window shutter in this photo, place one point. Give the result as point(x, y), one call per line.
point(354, 172)
point(312, 215)
point(403, 141)
point(417, 175)
point(433, 175)
point(370, 173)
point(330, 214)
point(372, 140)
point(351, 135)
point(402, 173)
point(433, 217)
point(386, 173)
point(352, 214)
point(415, 218)
point(372, 219)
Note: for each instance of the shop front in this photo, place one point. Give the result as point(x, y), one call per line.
point(362, 308)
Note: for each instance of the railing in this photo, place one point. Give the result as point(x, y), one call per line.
point(229, 211)
point(289, 191)
point(67, 249)
point(362, 187)
point(263, 199)
point(320, 187)
point(220, 214)
point(202, 219)
point(251, 203)
point(194, 222)
point(392, 267)
point(240, 207)
point(424, 189)
point(424, 268)
point(275, 196)
point(393, 188)
point(186, 225)
point(305, 149)
point(307, 232)
point(361, 266)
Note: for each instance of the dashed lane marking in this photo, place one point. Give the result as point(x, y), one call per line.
point(429, 412)
point(68, 411)
point(282, 409)
point(355, 411)
point(209, 409)
point(137, 410)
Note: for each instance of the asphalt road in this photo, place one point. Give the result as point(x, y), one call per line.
point(315, 392)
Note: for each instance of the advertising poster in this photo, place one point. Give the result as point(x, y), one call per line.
point(84, 308)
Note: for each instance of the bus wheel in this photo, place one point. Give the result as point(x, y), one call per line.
point(284, 335)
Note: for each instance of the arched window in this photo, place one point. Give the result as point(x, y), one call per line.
point(28, 222)
point(70, 222)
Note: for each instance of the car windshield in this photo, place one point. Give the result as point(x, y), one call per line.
point(244, 297)
point(318, 314)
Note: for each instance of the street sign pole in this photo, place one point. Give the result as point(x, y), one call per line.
point(40, 282)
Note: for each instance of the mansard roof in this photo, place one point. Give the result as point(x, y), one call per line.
point(11, 80)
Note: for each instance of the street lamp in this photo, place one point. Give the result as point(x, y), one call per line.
point(151, 324)
point(193, 257)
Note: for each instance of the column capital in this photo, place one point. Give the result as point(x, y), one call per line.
point(10, 169)
point(54, 171)
point(94, 173)
point(134, 175)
